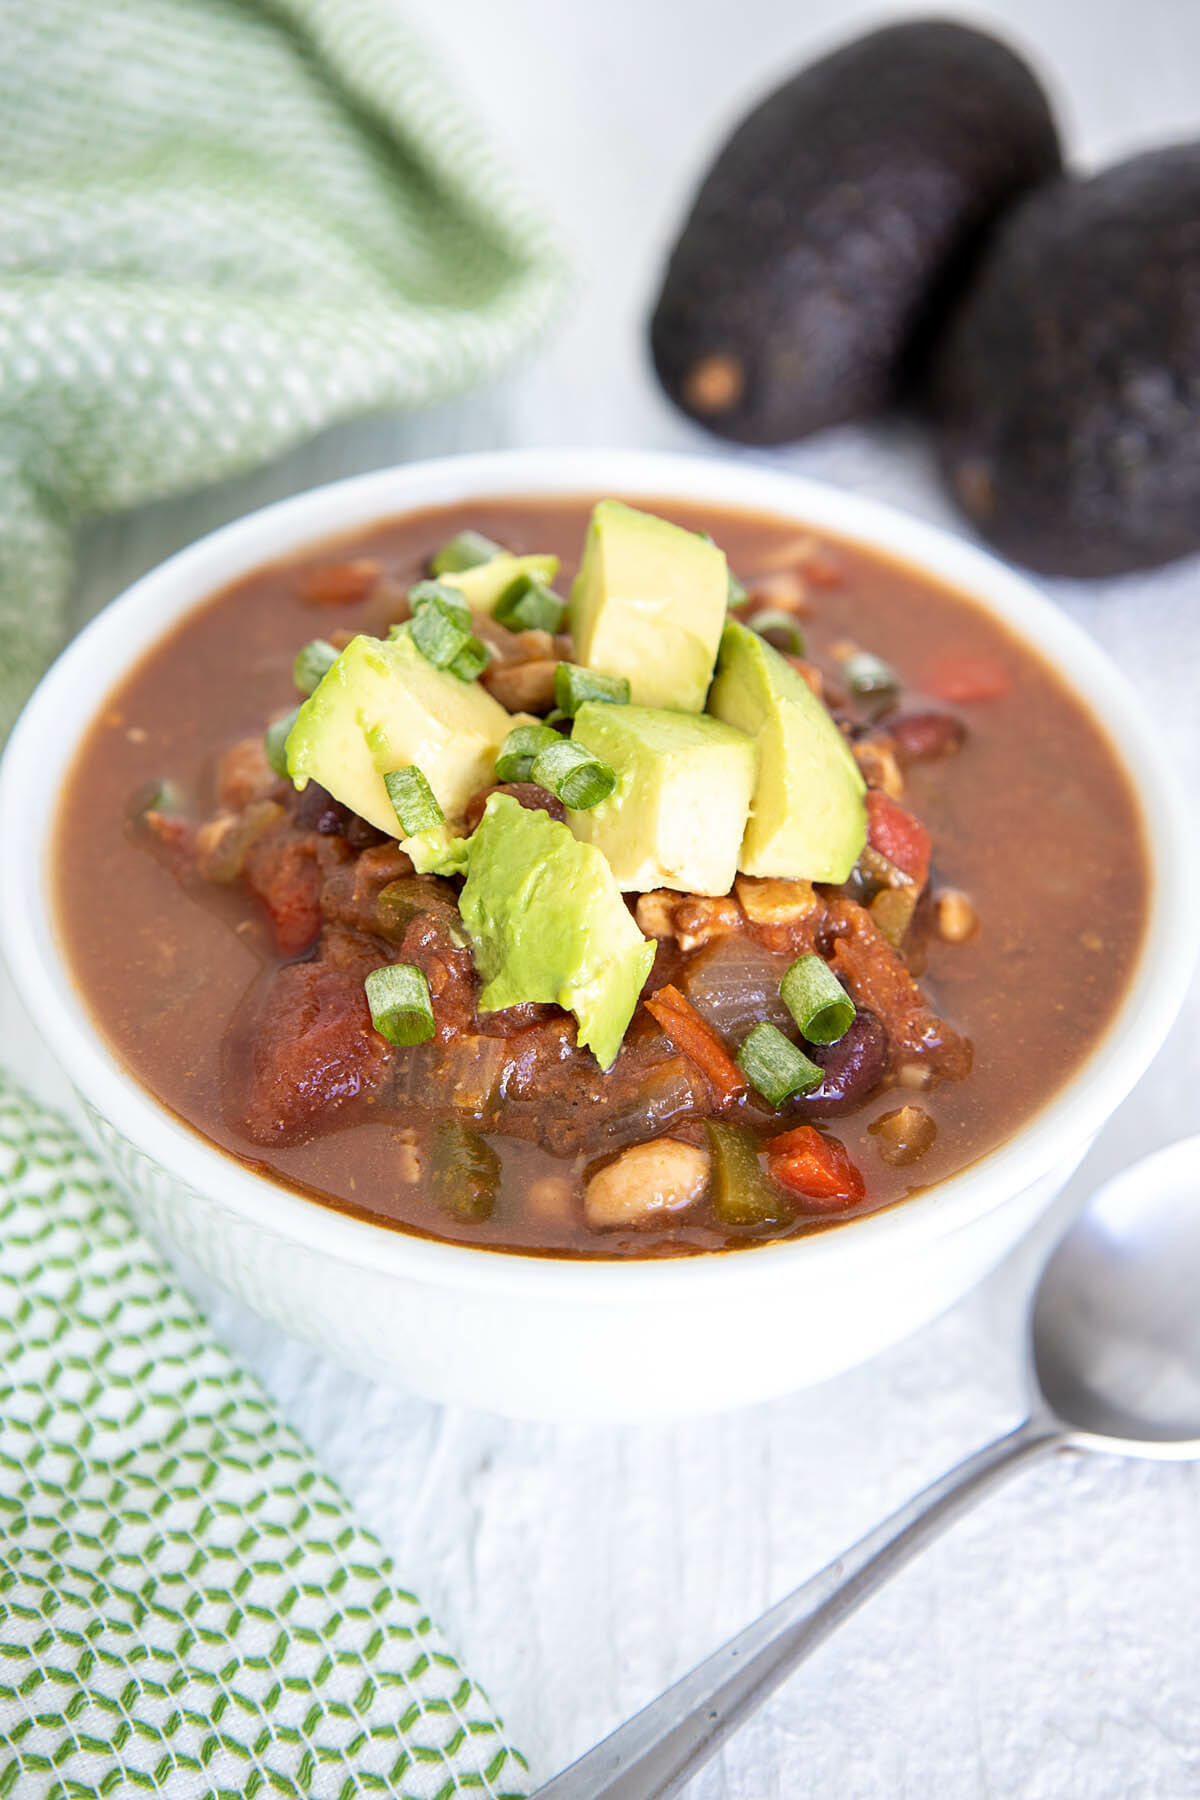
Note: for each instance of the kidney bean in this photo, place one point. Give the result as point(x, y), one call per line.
point(853, 1067)
point(317, 810)
point(924, 737)
point(360, 834)
point(525, 793)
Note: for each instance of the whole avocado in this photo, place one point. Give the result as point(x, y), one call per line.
point(834, 222)
point(1066, 394)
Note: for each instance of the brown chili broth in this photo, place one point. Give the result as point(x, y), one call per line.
point(1034, 819)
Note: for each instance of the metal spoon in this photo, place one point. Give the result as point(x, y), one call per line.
point(1115, 1366)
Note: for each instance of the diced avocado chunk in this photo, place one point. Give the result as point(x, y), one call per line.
point(547, 923)
point(677, 815)
point(649, 603)
point(382, 706)
point(437, 851)
point(483, 585)
point(807, 818)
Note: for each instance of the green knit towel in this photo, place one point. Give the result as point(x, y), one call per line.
point(187, 1604)
point(225, 224)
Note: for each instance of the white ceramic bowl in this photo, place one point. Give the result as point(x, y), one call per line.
point(544, 1337)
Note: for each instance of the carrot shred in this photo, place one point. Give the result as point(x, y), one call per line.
point(817, 1167)
point(880, 981)
point(688, 1032)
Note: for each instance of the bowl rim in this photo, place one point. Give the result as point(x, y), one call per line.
point(39, 752)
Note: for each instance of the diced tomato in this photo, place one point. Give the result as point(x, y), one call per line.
point(282, 872)
point(339, 584)
point(177, 834)
point(816, 1167)
point(879, 981)
point(312, 1052)
point(822, 570)
point(893, 831)
point(965, 675)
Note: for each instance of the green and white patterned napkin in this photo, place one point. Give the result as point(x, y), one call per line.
point(187, 1603)
point(225, 224)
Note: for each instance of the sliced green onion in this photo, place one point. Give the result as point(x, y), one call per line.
point(158, 796)
point(529, 605)
point(465, 550)
point(780, 630)
point(312, 664)
point(866, 675)
point(775, 1066)
point(413, 800)
point(275, 740)
point(579, 779)
point(464, 1171)
point(556, 716)
point(573, 686)
point(735, 593)
point(471, 660)
point(519, 748)
point(817, 1000)
point(401, 1010)
point(742, 1192)
point(440, 631)
point(431, 593)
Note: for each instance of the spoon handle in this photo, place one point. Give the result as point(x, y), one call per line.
point(654, 1754)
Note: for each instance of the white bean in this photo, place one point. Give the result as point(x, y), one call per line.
point(664, 1176)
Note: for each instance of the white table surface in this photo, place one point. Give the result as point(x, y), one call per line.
point(1050, 1646)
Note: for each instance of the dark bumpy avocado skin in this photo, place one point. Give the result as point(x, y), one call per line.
point(1066, 394)
point(832, 221)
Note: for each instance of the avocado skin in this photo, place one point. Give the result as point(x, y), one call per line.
point(835, 219)
point(1066, 395)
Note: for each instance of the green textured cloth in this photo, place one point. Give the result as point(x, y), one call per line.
point(187, 1604)
point(223, 226)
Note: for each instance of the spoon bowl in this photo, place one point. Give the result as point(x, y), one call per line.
point(1115, 1359)
point(1116, 1322)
